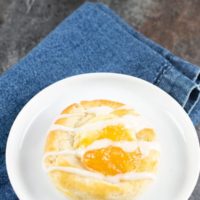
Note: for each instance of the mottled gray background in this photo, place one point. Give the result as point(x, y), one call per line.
point(173, 23)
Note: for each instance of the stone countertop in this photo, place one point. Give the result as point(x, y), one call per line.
point(175, 24)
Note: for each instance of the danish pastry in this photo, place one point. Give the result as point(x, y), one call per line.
point(101, 150)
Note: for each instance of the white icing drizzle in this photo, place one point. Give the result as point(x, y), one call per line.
point(61, 128)
point(132, 122)
point(69, 115)
point(111, 179)
point(127, 146)
point(101, 110)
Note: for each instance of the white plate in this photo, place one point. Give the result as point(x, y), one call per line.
point(180, 154)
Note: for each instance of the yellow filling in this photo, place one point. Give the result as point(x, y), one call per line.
point(110, 160)
point(113, 132)
point(113, 160)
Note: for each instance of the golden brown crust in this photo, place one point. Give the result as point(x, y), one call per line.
point(56, 140)
point(71, 108)
point(100, 102)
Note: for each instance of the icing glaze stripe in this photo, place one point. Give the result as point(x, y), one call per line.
point(111, 179)
point(94, 110)
point(135, 123)
point(127, 146)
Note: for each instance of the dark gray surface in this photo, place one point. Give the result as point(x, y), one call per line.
point(173, 23)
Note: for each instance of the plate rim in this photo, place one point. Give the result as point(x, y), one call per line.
point(44, 91)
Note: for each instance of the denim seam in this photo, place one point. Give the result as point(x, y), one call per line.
point(173, 85)
point(160, 73)
point(165, 70)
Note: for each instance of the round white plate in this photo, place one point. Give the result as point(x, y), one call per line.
point(180, 154)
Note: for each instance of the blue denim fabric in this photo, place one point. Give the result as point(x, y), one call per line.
point(92, 39)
